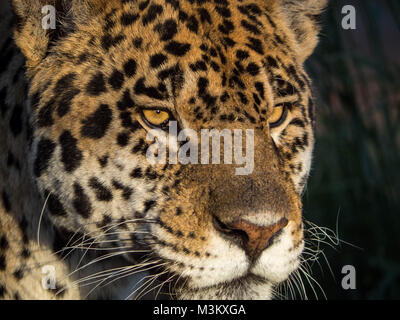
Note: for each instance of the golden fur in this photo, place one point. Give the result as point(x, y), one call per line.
point(76, 147)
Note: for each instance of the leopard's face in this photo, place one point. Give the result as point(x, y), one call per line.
point(135, 66)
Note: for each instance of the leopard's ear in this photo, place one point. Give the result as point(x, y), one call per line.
point(29, 34)
point(303, 17)
point(33, 30)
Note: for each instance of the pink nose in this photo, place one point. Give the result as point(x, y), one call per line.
point(254, 238)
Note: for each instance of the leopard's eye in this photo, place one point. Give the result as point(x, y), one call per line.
point(155, 117)
point(278, 116)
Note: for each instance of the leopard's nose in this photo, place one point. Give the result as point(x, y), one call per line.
point(252, 238)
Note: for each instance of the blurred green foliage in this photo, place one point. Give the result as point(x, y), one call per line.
point(355, 182)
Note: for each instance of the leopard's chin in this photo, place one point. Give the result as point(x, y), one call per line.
point(249, 287)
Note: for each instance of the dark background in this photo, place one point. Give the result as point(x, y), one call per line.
point(354, 188)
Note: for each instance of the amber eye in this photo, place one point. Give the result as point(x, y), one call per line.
point(156, 117)
point(278, 116)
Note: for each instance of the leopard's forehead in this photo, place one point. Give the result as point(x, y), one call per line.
point(215, 61)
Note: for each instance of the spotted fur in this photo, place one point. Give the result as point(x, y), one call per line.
point(72, 144)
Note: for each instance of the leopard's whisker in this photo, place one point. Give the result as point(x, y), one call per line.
point(147, 269)
point(40, 219)
point(306, 273)
point(112, 272)
point(149, 278)
point(93, 276)
point(145, 290)
point(123, 274)
point(309, 277)
point(161, 285)
point(98, 259)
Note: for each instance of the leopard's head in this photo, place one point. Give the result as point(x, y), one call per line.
point(113, 70)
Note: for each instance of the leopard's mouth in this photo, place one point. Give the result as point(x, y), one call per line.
point(241, 278)
point(172, 286)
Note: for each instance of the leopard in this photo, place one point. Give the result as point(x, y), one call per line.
point(84, 214)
